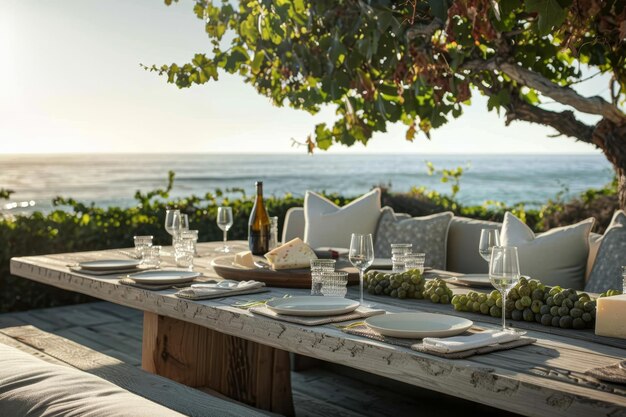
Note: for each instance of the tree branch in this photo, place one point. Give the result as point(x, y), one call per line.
point(564, 95)
point(424, 30)
point(564, 122)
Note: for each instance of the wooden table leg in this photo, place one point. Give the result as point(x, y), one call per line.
point(193, 355)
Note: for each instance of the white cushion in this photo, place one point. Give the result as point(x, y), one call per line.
point(327, 224)
point(32, 387)
point(556, 257)
point(463, 240)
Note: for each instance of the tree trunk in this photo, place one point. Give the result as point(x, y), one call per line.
point(611, 138)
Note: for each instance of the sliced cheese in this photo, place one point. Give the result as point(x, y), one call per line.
point(611, 316)
point(293, 254)
point(244, 259)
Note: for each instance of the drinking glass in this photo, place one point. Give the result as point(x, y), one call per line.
point(504, 273)
point(184, 252)
point(398, 250)
point(414, 261)
point(141, 243)
point(172, 222)
point(317, 267)
point(224, 222)
point(193, 235)
point(361, 255)
point(334, 284)
point(151, 257)
point(184, 222)
point(488, 239)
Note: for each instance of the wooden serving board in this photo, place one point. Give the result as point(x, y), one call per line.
point(286, 278)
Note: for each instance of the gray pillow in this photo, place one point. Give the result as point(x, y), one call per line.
point(606, 272)
point(428, 234)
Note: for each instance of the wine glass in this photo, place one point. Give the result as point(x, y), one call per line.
point(224, 222)
point(184, 222)
point(361, 256)
point(488, 239)
point(173, 222)
point(504, 273)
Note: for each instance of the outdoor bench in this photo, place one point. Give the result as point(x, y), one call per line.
point(47, 375)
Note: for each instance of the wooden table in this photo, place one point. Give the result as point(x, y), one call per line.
point(213, 344)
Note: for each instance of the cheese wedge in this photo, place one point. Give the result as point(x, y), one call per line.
point(244, 259)
point(293, 254)
point(611, 316)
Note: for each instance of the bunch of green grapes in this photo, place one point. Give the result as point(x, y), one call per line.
point(610, 293)
point(490, 304)
point(530, 300)
point(409, 284)
point(437, 291)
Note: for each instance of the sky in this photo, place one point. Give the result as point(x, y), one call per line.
point(70, 82)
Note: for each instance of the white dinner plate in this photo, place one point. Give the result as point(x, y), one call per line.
point(110, 264)
point(418, 325)
point(474, 280)
point(308, 305)
point(164, 276)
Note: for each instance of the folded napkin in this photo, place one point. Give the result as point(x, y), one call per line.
point(361, 329)
point(473, 341)
point(359, 313)
point(226, 288)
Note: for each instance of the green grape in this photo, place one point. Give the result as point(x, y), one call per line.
point(371, 290)
point(567, 303)
point(394, 293)
point(444, 299)
point(535, 306)
point(510, 305)
point(484, 308)
point(528, 315)
point(589, 306)
point(463, 299)
point(387, 290)
point(401, 293)
point(513, 294)
point(554, 310)
point(519, 306)
point(517, 315)
point(495, 311)
point(546, 320)
point(498, 303)
point(576, 312)
point(563, 311)
point(538, 317)
point(555, 321)
point(456, 300)
point(494, 294)
point(526, 301)
point(537, 294)
point(587, 317)
point(544, 310)
point(550, 301)
point(524, 290)
point(435, 298)
point(475, 306)
point(482, 298)
point(566, 322)
point(558, 299)
point(578, 323)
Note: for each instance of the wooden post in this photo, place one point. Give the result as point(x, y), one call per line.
point(249, 372)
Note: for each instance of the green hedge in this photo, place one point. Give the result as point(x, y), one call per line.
point(74, 226)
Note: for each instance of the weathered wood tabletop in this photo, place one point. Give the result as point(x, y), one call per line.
point(546, 378)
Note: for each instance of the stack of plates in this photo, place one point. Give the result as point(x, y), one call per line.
point(109, 266)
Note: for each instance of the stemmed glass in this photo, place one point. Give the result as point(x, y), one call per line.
point(173, 222)
point(184, 222)
point(504, 273)
point(488, 239)
point(224, 222)
point(361, 256)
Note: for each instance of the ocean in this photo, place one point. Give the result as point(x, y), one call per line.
point(113, 179)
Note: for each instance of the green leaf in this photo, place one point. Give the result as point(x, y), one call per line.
point(255, 66)
point(439, 8)
point(549, 12)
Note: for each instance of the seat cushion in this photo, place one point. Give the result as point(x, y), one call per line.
point(294, 224)
point(327, 224)
point(31, 387)
point(427, 234)
point(556, 257)
point(463, 239)
point(606, 272)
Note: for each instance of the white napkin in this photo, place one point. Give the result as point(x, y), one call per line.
point(474, 341)
point(225, 286)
